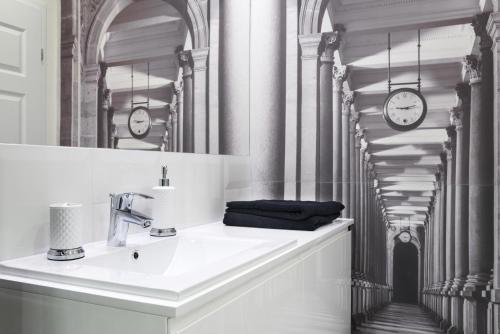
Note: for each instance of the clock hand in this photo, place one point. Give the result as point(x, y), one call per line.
point(139, 121)
point(406, 108)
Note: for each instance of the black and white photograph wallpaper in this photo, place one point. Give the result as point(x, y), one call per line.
point(379, 118)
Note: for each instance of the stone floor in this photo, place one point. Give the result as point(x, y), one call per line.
point(400, 318)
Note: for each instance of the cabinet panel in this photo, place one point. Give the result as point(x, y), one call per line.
point(308, 296)
point(28, 313)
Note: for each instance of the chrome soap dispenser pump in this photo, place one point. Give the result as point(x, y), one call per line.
point(163, 207)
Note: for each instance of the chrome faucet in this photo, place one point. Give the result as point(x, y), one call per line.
point(121, 215)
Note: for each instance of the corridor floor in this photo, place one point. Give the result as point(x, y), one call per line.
point(400, 318)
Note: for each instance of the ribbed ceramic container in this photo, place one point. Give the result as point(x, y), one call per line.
point(66, 225)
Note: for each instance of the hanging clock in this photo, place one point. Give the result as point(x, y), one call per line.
point(404, 109)
point(139, 119)
point(405, 237)
point(139, 122)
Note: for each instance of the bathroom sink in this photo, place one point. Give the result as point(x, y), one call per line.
point(171, 268)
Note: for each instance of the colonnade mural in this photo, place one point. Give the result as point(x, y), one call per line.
point(306, 142)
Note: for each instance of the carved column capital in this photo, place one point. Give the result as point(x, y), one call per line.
point(178, 87)
point(358, 136)
point(347, 101)
point(309, 45)
point(330, 42)
point(200, 58)
point(448, 148)
point(456, 114)
point(479, 23)
point(340, 74)
point(463, 94)
point(353, 119)
point(185, 61)
point(472, 67)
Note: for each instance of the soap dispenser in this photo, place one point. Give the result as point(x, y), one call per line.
point(163, 207)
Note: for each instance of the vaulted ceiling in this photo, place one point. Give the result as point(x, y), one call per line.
point(147, 31)
point(405, 162)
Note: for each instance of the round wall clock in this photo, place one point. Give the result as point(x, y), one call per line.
point(405, 109)
point(405, 237)
point(139, 122)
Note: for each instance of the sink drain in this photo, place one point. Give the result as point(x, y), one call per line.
point(135, 255)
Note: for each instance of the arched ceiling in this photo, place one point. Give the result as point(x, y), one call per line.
point(405, 162)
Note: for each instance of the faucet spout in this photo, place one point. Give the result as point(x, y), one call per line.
point(121, 215)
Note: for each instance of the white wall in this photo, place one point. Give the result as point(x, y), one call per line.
point(32, 177)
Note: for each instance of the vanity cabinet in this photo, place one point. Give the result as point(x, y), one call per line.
point(309, 294)
point(304, 290)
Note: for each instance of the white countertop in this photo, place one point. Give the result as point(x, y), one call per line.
point(164, 304)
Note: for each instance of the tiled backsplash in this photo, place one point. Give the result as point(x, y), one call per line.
point(32, 177)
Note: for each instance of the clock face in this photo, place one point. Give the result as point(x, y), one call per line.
point(405, 237)
point(139, 122)
point(405, 109)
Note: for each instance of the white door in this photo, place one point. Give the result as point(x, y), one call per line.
point(22, 74)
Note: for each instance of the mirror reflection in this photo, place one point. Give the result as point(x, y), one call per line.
point(120, 74)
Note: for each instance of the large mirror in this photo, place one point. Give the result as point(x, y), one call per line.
point(123, 74)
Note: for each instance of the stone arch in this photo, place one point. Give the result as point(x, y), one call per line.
point(311, 15)
point(192, 12)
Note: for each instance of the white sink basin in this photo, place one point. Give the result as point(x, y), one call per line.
point(172, 268)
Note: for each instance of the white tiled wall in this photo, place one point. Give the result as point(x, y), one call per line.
point(32, 177)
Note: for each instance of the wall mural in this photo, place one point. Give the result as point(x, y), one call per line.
point(306, 102)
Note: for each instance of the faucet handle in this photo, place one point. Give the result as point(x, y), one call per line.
point(123, 201)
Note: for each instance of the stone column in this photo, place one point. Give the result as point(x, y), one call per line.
point(339, 76)
point(460, 117)
point(442, 240)
point(348, 99)
point(88, 124)
point(362, 207)
point(200, 100)
point(480, 182)
point(267, 97)
point(186, 63)
point(365, 205)
point(352, 164)
point(103, 103)
point(234, 75)
point(494, 31)
point(450, 226)
point(328, 45)
point(69, 134)
point(179, 93)
point(357, 202)
point(308, 146)
point(436, 238)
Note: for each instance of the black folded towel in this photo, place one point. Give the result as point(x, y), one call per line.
point(309, 224)
point(283, 209)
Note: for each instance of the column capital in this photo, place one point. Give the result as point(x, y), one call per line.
point(463, 94)
point(330, 41)
point(479, 23)
point(185, 61)
point(450, 131)
point(178, 87)
point(353, 119)
point(456, 117)
point(449, 148)
point(200, 57)
point(472, 67)
point(493, 26)
point(340, 74)
point(368, 156)
point(309, 45)
point(347, 101)
point(358, 136)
